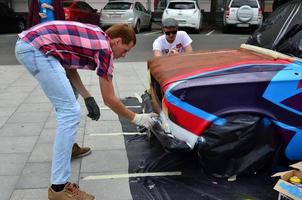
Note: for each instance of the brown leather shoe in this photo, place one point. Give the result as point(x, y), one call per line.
point(78, 151)
point(71, 191)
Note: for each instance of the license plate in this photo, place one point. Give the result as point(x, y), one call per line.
point(242, 25)
point(115, 16)
point(181, 21)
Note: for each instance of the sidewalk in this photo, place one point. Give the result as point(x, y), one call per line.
point(27, 129)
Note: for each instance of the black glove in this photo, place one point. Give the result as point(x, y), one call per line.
point(93, 108)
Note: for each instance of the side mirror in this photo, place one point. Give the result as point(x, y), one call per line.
point(95, 10)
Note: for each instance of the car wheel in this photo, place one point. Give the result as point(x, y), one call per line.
point(20, 26)
point(137, 27)
point(245, 13)
point(199, 28)
point(246, 143)
point(150, 26)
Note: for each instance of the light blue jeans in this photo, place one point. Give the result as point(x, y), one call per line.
point(52, 78)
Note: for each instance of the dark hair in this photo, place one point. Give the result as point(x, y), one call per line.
point(123, 31)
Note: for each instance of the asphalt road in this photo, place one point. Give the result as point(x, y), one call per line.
point(207, 39)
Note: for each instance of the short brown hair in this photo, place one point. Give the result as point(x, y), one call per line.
point(123, 31)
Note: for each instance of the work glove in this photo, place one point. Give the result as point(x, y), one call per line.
point(93, 108)
point(147, 120)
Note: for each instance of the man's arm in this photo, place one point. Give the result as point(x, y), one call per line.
point(91, 105)
point(110, 100)
point(188, 49)
point(157, 53)
point(76, 81)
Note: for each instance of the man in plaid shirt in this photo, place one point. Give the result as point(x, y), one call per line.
point(52, 51)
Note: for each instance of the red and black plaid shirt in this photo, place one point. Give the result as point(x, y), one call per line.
point(75, 45)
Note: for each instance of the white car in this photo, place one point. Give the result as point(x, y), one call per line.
point(129, 12)
point(242, 13)
point(186, 12)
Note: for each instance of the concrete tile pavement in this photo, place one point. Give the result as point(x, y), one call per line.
point(27, 128)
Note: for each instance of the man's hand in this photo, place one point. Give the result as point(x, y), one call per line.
point(42, 15)
point(93, 108)
point(145, 119)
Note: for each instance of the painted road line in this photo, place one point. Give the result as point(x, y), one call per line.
point(209, 33)
point(134, 175)
point(117, 134)
point(153, 33)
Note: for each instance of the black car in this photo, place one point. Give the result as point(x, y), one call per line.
point(9, 21)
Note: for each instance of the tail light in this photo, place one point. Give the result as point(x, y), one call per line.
point(67, 14)
point(259, 13)
point(227, 13)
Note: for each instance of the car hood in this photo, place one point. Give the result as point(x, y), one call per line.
point(201, 65)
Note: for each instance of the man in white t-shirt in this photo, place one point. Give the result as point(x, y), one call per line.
point(173, 41)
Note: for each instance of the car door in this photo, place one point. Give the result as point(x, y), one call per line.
point(85, 13)
point(7, 19)
point(143, 14)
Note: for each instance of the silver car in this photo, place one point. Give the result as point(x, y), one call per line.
point(242, 13)
point(130, 12)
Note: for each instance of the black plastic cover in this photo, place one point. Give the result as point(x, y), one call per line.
point(281, 31)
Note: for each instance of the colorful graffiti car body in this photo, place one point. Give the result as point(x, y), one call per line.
point(199, 90)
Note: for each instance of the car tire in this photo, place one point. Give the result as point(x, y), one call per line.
point(137, 27)
point(150, 26)
point(245, 13)
point(199, 28)
point(20, 26)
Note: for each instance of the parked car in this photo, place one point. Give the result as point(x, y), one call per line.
point(81, 11)
point(242, 13)
point(130, 12)
point(187, 13)
point(10, 21)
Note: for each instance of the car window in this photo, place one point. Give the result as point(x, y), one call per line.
point(118, 6)
point(142, 8)
point(5, 11)
point(83, 6)
point(239, 3)
point(136, 6)
point(181, 5)
point(67, 3)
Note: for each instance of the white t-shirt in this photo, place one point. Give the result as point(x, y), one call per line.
point(181, 41)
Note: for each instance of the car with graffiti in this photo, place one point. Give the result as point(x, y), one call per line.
point(239, 109)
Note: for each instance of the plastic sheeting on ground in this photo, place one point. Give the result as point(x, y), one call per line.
point(147, 156)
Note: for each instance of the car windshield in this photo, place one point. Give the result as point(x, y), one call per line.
point(118, 6)
point(181, 5)
point(67, 4)
point(239, 3)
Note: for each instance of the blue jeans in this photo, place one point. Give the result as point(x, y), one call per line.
point(52, 78)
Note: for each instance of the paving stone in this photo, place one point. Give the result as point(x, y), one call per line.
point(7, 184)
point(17, 144)
point(34, 107)
point(30, 194)
point(103, 127)
point(38, 117)
point(117, 189)
point(21, 129)
point(105, 161)
point(12, 164)
point(37, 175)
point(105, 142)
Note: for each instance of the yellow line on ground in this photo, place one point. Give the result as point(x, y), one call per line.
point(120, 176)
